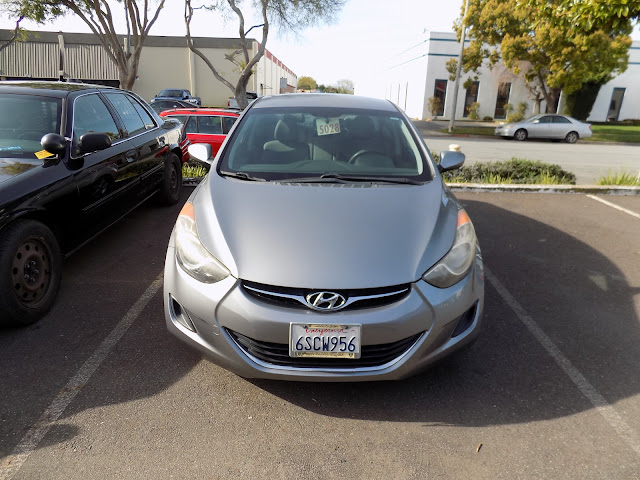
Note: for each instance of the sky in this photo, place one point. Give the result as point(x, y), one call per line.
point(365, 37)
point(365, 33)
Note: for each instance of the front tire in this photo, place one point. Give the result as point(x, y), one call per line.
point(520, 135)
point(171, 188)
point(30, 272)
point(572, 137)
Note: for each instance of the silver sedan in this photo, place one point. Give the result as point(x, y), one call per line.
point(554, 127)
point(324, 246)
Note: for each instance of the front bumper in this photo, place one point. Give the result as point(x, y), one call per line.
point(432, 322)
point(503, 131)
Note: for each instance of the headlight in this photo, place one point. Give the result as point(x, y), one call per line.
point(455, 265)
point(192, 256)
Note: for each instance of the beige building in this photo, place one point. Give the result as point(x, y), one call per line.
point(166, 62)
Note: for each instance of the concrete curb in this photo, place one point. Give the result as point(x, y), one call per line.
point(191, 182)
point(486, 187)
point(584, 189)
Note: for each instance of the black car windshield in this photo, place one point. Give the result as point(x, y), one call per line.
point(31, 117)
point(171, 93)
point(288, 143)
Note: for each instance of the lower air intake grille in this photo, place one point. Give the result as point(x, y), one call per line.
point(278, 353)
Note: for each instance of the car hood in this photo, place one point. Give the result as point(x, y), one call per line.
point(11, 167)
point(325, 235)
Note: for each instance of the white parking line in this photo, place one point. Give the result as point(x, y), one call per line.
point(36, 433)
point(617, 207)
point(605, 409)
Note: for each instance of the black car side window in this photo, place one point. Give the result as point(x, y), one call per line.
point(90, 114)
point(144, 115)
point(132, 121)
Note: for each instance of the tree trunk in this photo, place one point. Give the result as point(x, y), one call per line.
point(536, 105)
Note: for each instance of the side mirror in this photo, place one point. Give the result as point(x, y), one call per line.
point(93, 141)
point(202, 152)
point(54, 143)
point(450, 160)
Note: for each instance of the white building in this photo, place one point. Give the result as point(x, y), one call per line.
point(420, 72)
point(165, 62)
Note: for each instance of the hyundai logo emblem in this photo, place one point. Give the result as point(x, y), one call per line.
point(325, 301)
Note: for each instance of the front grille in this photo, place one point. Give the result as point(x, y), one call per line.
point(278, 353)
point(355, 298)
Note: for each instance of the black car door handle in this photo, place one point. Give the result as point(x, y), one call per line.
point(131, 155)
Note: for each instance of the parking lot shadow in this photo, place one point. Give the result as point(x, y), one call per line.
point(576, 295)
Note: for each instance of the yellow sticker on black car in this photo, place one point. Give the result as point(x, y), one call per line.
point(43, 154)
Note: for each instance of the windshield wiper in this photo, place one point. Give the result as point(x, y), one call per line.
point(370, 178)
point(339, 178)
point(242, 176)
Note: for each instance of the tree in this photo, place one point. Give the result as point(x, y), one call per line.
point(307, 83)
point(345, 86)
point(288, 15)
point(537, 39)
point(16, 34)
point(98, 15)
point(607, 15)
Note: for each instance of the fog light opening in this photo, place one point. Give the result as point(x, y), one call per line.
point(181, 316)
point(466, 320)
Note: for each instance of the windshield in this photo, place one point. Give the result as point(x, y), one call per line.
point(531, 119)
point(31, 118)
point(286, 144)
point(171, 93)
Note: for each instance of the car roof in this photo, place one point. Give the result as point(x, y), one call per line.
point(333, 100)
point(52, 89)
point(200, 111)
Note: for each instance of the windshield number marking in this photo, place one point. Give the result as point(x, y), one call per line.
point(327, 126)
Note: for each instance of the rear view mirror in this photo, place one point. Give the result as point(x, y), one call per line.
point(54, 143)
point(92, 141)
point(201, 152)
point(450, 160)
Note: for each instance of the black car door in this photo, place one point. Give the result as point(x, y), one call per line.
point(144, 137)
point(105, 179)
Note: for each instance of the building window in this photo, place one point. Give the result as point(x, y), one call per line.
point(503, 98)
point(441, 92)
point(471, 97)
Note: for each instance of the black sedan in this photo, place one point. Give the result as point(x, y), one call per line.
point(73, 160)
point(161, 105)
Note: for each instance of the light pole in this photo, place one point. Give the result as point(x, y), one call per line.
point(452, 120)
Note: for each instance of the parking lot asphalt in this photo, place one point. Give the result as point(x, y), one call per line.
point(551, 389)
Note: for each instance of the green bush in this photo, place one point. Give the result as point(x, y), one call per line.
point(516, 170)
point(517, 115)
point(487, 118)
point(194, 170)
point(622, 179)
point(473, 111)
point(435, 104)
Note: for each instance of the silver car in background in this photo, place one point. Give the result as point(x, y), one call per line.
point(553, 127)
point(324, 246)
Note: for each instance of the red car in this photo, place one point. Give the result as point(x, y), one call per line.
point(204, 125)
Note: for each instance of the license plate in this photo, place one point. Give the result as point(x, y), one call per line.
point(324, 341)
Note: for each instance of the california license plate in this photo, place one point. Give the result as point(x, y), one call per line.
point(324, 341)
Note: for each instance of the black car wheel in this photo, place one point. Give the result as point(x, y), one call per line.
point(520, 135)
point(172, 181)
point(30, 272)
point(572, 137)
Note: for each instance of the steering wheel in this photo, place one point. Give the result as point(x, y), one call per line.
point(360, 153)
